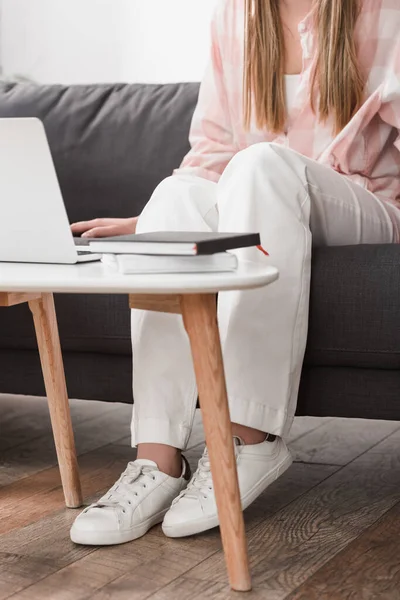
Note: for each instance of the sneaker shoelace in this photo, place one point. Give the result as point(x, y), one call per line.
point(126, 490)
point(201, 484)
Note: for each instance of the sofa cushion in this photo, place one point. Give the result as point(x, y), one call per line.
point(87, 323)
point(355, 307)
point(111, 144)
point(350, 392)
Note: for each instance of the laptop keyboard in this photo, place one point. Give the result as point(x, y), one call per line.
point(81, 241)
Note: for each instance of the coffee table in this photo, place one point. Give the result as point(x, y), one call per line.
point(193, 296)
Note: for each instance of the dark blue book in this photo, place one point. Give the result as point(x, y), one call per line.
point(174, 243)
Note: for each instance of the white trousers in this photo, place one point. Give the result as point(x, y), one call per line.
point(293, 202)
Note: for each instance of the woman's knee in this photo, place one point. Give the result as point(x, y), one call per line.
point(167, 192)
point(267, 155)
point(157, 210)
point(273, 161)
point(178, 203)
point(273, 173)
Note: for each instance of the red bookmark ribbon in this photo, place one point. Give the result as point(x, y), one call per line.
point(263, 250)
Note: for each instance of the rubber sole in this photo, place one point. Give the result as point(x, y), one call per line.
point(200, 525)
point(111, 538)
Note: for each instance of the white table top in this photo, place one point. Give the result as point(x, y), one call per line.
point(96, 278)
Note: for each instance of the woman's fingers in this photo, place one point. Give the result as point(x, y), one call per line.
point(83, 226)
point(105, 231)
point(104, 227)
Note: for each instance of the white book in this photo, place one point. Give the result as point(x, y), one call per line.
point(130, 264)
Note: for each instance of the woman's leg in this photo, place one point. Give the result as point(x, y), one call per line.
point(164, 386)
point(284, 195)
point(163, 379)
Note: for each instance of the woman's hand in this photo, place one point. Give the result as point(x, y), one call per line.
point(98, 228)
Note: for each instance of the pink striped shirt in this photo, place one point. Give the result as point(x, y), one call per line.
point(368, 148)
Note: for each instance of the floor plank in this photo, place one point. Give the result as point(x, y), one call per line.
point(130, 571)
point(38, 453)
point(184, 588)
point(367, 568)
point(16, 572)
point(303, 425)
point(338, 441)
point(187, 588)
point(41, 494)
point(24, 418)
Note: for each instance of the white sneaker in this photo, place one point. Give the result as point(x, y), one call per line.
point(137, 501)
point(195, 510)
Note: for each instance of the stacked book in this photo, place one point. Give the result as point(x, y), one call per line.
point(173, 252)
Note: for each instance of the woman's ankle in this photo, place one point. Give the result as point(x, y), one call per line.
point(167, 458)
point(248, 434)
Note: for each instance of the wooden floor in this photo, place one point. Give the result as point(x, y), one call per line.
point(328, 529)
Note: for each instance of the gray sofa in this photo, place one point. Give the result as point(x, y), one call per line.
point(111, 147)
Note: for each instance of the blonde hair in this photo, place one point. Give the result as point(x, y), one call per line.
point(336, 74)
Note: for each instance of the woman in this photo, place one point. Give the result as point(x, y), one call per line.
point(306, 151)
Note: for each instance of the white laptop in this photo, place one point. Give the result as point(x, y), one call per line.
point(34, 226)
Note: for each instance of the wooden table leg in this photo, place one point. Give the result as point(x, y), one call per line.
point(48, 340)
point(200, 318)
